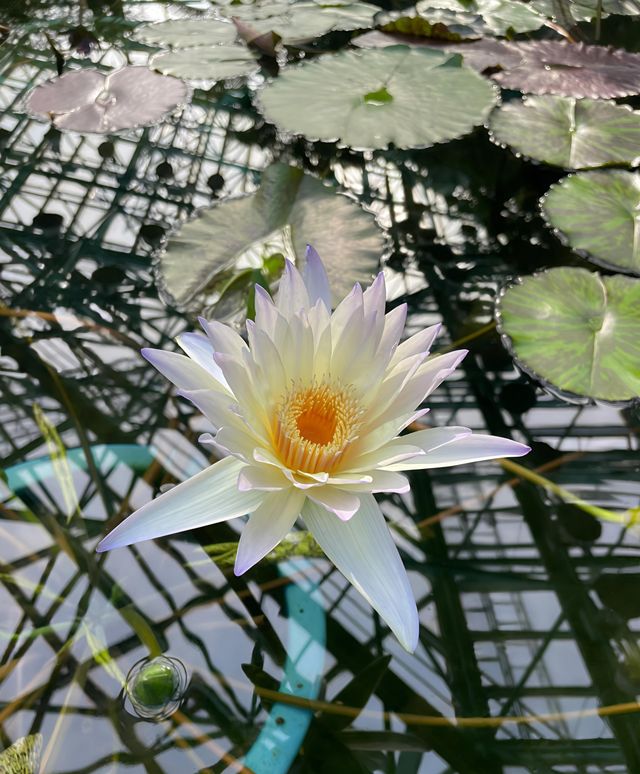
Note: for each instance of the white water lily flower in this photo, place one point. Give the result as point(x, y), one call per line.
point(308, 413)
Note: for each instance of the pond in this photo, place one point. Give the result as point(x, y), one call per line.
point(159, 161)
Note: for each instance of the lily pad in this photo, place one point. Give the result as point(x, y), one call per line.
point(371, 98)
point(599, 213)
point(206, 63)
point(576, 332)
point(572, 70)
point(497, 17)
point(586, 10)
point(303, 21)
point(93, 101)
point(297, 206)
point(187, 33)
point(569, 133)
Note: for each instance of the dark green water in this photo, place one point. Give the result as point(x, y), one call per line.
point(529, 607)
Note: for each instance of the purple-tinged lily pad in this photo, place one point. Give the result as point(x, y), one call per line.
point(92, 101)
point(571, 70)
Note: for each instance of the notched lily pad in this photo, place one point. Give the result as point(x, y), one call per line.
point(572, 70)
point(493, 17)
point(586, 10)
point(93, 101)
point(576, 332)
point(290, 207)
point(567, 132)
point(301, 22)
point(599, 214)
point(205, 64)
point(187, 33)
point(428, 97)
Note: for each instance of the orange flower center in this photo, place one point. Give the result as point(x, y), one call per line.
point(313, 426)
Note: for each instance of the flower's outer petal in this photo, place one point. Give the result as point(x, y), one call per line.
point(266, 313)
point(337, 501)
point(394, 322)
point(264, 477)
point(470, 448)
point(399, 449)
point(266, 527)
point(217, 407)
point(199, 349)
point(223, 338)
point(420, 342)
point(206, 498)
point(315, 279)
point(364, 552)
point(181, 370)
point(382, 481)
point(292, 294)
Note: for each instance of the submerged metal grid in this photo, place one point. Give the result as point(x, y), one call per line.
point(511, 624)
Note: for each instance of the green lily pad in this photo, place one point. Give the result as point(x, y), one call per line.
point(206, 63)
point(586, 10)
point(429, 98)
point(576, 332)
point(496, 17)
point(568, 132)
point(302, 21)
point(599, 214)
point(291, 206)
point(187, 33)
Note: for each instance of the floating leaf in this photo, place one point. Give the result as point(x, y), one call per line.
point(586, 10)
point(576, 332)
point(477, 54)
point(417, 27)
point(187, 33)
point(427, 98)
point(288, 202)
point(497, 17)
point(599, 213)
point(303, 21)
point(569, 133)
point(571, 70)
point(206, 63)
point(92, 101)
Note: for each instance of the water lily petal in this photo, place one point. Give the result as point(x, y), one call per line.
point(266, 527)
point(470, 448)
point(381, 481)
point(264, 477)
point(292, 293)
point(208, 497)
point(181, 370)
point(364, 552)
point(266, 313)
point(337, 501)
point(315, 279)
point(199, 348)
point(223, 338)
point(419, 342)
point(216, 406)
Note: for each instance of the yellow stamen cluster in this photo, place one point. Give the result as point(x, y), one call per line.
point(313, 426)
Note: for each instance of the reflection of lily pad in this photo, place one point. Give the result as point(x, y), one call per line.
point(187, 33)
point(576, 331)
point(206, 63)
point(495, 16)
point(92, 101)
point(371, 98)
point(572, 70)
point(569, 133)
point(302, 21)
point(599, 213)
point(288, 200)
